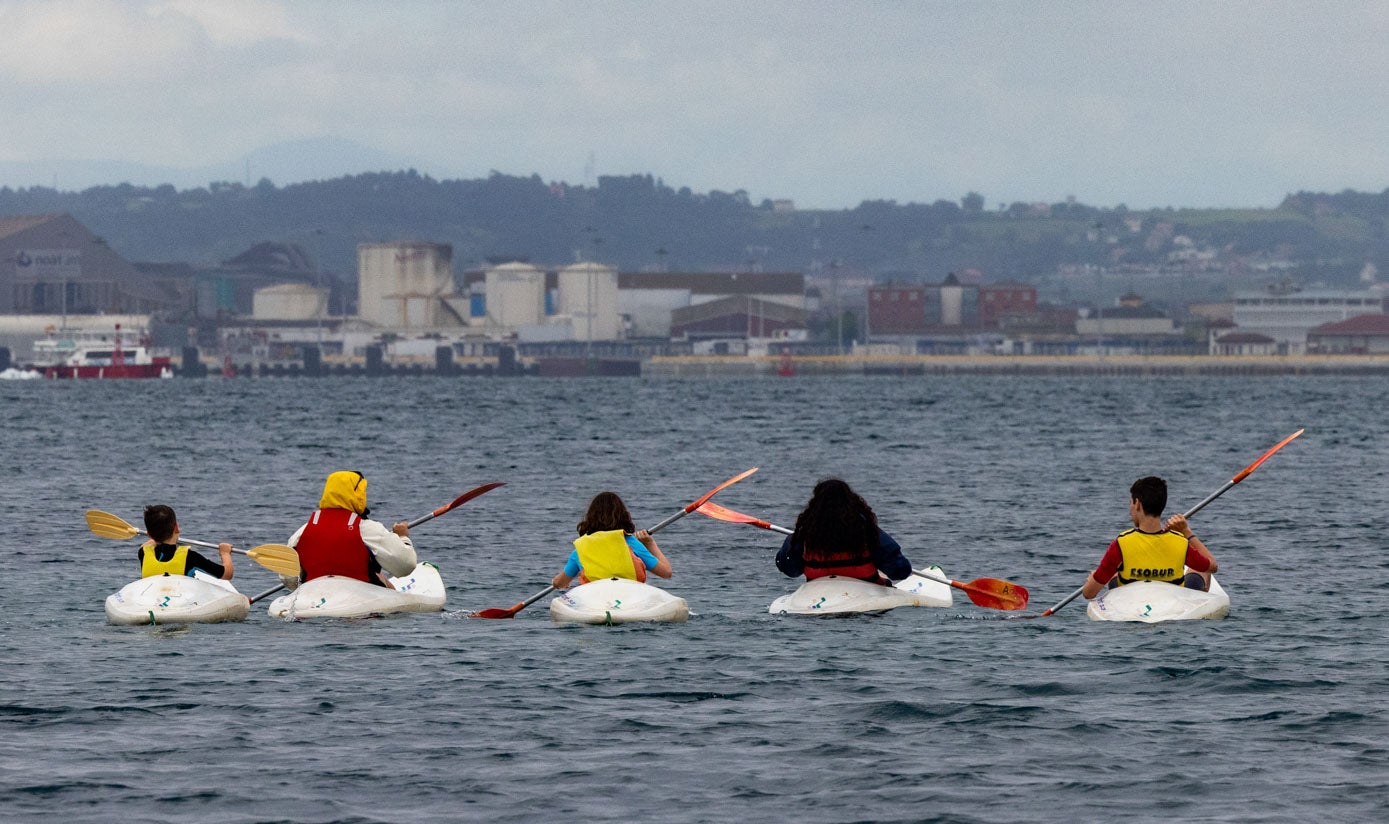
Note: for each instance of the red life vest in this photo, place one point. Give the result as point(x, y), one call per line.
point(866, 572)
point(854, 562)
point(331, 544)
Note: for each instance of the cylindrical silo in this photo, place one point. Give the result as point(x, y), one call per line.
point(588, 295)
point(515, 295)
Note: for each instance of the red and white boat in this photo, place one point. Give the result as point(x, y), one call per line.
point(73, 353)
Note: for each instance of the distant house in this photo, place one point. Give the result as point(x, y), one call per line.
point(1244, 343)
point(1360, 335)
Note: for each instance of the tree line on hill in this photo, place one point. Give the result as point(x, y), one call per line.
point(638, 222)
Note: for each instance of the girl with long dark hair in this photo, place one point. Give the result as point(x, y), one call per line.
point(838, 534)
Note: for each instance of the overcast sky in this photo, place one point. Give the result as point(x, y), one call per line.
point(1146, 103)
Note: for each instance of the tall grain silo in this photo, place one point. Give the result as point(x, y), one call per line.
point(515, 295)
point(588, 295)
point(402, 284)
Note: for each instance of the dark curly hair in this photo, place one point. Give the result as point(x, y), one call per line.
point(836, 523)
point(606, 511)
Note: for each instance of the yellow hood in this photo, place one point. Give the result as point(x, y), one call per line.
point(344, 490)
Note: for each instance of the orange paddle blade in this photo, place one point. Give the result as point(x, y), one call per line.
point(716, 490)
point(1248, 469)
point(495, 612)
point(994, 593)
point(723, 513)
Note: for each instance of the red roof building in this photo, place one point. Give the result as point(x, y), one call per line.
point(1360, 335)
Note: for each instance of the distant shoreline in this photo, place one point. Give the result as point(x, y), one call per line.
point(908, 365)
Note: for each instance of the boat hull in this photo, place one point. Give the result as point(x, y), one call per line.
point(334, 596)
point(617, 601)
point(833, 595)
point(176, 599)
point(161, 368)
point(1153, 602)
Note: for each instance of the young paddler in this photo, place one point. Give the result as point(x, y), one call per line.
point(610, 546)
point(1152, 550)
point(164, 555)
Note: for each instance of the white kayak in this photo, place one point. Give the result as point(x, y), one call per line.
point(334, 596)
point(177, 599)
point(617, 601)
point(1154, 601)
point(833, 595)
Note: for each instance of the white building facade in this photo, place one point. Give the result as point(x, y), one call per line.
point(1287, 315)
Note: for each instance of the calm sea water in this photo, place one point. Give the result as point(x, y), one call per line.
point(949, 715)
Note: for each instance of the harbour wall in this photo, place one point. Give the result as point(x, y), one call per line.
point(910, 365)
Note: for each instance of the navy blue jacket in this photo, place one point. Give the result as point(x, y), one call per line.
point(887, 556)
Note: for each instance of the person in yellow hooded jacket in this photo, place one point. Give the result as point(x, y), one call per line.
point(339, 538)
point(1152, 550)
point(610, 546)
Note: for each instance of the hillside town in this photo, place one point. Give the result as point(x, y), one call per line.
point(72, 306)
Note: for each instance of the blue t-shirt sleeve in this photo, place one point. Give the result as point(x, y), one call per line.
point(888, 557)
point(640, 550)
point(572, 567)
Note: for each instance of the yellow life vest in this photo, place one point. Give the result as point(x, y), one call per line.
point(1152, 556)
point(151, 566)
point(606, 555)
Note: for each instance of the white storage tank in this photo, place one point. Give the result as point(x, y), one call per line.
point(402, 284)
point(515, 295)
point(588, 295)
point(289, 301)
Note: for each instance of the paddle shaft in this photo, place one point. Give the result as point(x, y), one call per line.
point(267, 593)
point(1226, 487)
point(204, 544)
point(457, 502)
point(968, 589)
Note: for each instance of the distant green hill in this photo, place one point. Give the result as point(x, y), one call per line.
point(638, 222)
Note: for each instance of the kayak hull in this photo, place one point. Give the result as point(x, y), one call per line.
point(617, 601)
point(176, 599)
point(334, 596)
point(1153, 602)
point(833, 595)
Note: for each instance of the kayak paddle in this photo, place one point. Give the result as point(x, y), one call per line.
point(508, 612)
point(448, 507)
point(457, 502)
point(991, 593)
point(1244, 473)
point(278, 558)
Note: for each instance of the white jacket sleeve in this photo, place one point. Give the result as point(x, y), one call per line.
point(395, 554)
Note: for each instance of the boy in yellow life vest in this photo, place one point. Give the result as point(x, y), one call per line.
point(610, 546)
point(1152, 550)
point(163, 555)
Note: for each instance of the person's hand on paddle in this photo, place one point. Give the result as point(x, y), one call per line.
point(225, 550)
point(1177, 523)
point(402, 529)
